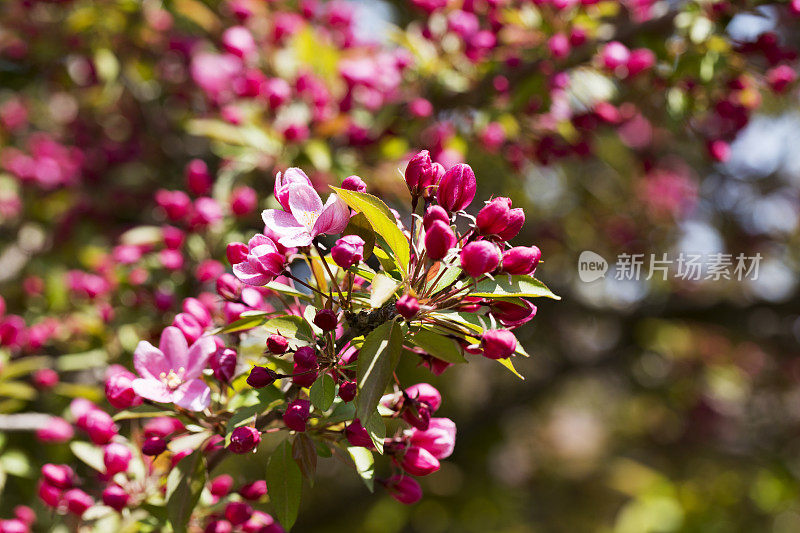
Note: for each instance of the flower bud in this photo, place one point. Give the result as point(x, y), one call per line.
point(457, 188)
point(243, 201)
point(261, 377)
point(719, 150)
point(198, 179)
point(404, 489)
point(238, 41)
point(229, 287)
point(176, 204)
point(407, 306)
point(419, 462)
point(119, 390)
point(425, 393)
point(510, 314)
point(305, 356)
point(45, 378)
point(173, 237)
point(433, 214)
point(77, 501)
point(50, 495)
point(189, 326)
point(115, 497)
point(13, 526)
point(162, 426)
point(297, 414)
point(236, 252)
point(418, 173)
point(261, 522)
point(326, 320)
point(439, 239)
point(221, 485)
point(56, 431)
point(418, 414)
point(479, 258)
point(347, 391)
point(493, 217)
point(223, 363)
point(348, 251)
point(25, 514)
point(304, 376)
point(614, 55)
point(354, 183)
point(98, 425)
point(521, 259)
point(439, 439)
point(198, 311)
point(498, 343)
point(59, 476)
point(238, 512)
point(154, 446)
point(277, 344)
point(116, 458)
point(244, 439)
point(358, 436)
point(516, 218)
point(254, 491)
point(640, 60)
point(218, 526)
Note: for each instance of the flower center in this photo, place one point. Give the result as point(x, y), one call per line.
point(307, 218)
point(173, 379)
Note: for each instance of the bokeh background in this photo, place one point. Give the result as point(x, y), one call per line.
point(646, 406)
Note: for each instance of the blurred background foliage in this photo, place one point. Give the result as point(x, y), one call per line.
point(647, 405)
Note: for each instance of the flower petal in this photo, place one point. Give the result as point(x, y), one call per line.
point(174, 346)
point(149, 361)
point(306, 204)
point(193, 395)
point(251, 274)
point(152, 389)
point(197, 357)
point(286, 228)
point(334, 217)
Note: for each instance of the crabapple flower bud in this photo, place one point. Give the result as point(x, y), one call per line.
point(238, 512)
point(297, 414)
point(419, 462)
point(439, 239)
point(59, 476)
point(261, 377)
point(238, 41)
point(404, 489)
point(116, 458)
point(439, 439)
point(457, 188)
point(196, 309)
point(521, 259)
point(223, 363)
point(433, 214)
point(719, 151)
point(45, 378)
point(154, 446)
point(218, 526)
point(189, 326)
point(305, 356)
point(115, 497)
point(98, 425)
point(516, 219)
point(221, 485)
point(49, 494)
point(56, 431)
point(243, 201)
point(262, 263)
point(229, 287)
point(479, 258)
point(276, 91)
point(236, 252)
point(254, 491)
point(425, 393)
point(176, 204)
point(77, 501)
point(357, 435)
point(512, 315)
point(614, 55)
point(13, 526)
point(418, 173)
point(326, 320)
point(348, 251)
point(407, 306)
point(198, 179)
point(354, 183)
point(498, 343)
point(277, 344)
point(347, 391)
point(493, 217)
point(25, 514)
point(640, 60)
point(304, 376)
point(173, 237)
point(781, 77)
point(244, 439)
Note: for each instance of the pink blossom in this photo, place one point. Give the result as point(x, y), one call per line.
point(262, 263)
point(305, 216)
point(171, 373)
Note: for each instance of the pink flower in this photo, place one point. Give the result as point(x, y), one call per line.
point(171, 373)
point(262, 263)
point(439, 439)
point(305, 216)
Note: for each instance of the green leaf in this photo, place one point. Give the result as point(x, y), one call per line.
point(287, 290)
point(387, 263)
point(285, 483)
point(382, 289)
point(377, 430)
point(376, 361)
point(245, 323)
point(438, 346)
point(144, 411)
point(448, 278)
point(292, 326)
point(365, 465)
point(359, 225)
point(88, 453)
point(17, 390)
point(305, 455)
point(520, 286)
point(184, 485)
point(382, 221)
point(509, 365)
point(23, 366)
point(322, 392)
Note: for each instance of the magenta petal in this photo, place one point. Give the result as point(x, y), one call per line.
point(152, 389)
point(306, 205)
point(149, 361)
point(251, 274)
point(334, 218)
point(193, 395)
point(173, 345)
point(261, 240)
point(197, 357)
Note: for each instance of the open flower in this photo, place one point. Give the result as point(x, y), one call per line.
point(262, 262)
point(305, 216)
point(171, 373)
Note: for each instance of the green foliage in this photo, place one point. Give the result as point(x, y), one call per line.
point(285, 483)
